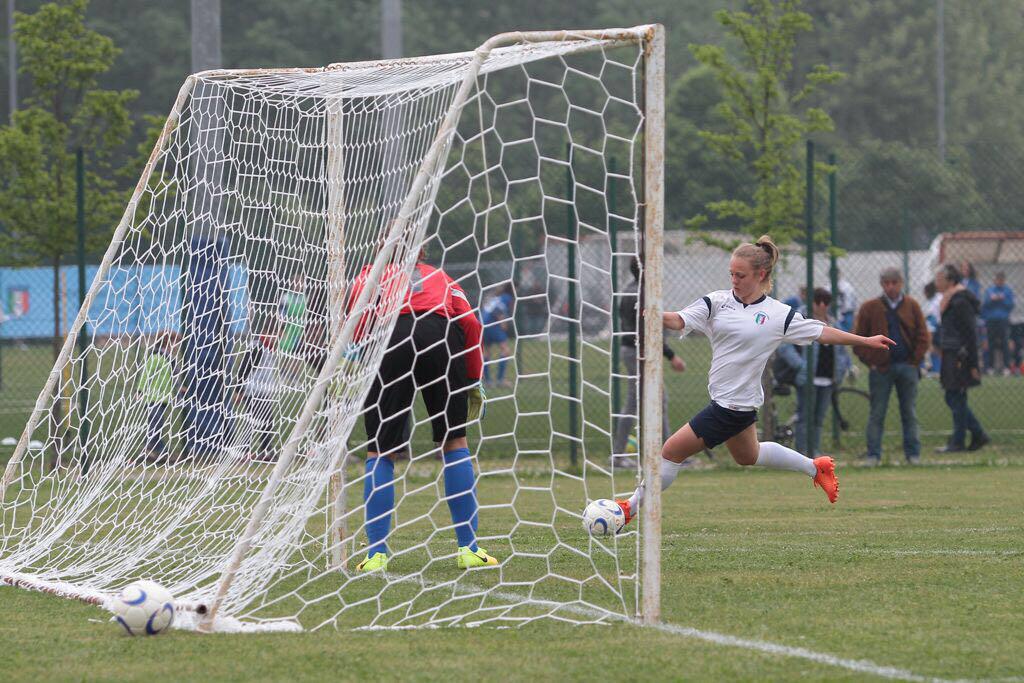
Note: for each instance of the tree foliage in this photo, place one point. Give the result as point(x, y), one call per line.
point(887, 48)
point(763, 122)
point(65, 110)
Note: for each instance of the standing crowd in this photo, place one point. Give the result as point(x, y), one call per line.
point(961, 333)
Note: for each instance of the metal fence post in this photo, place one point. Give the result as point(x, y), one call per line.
point(570, 234)
point(517, 279)
point(613, 237)
point(833, 273)
point(808, 389)
point(905, 230)
point(83, 342)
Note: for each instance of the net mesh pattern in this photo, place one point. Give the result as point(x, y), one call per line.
point(223, 317)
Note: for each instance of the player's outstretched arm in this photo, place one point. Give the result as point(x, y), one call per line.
point(831, 335)
point(672, 320)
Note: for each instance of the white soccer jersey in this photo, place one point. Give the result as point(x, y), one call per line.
point(743, 338)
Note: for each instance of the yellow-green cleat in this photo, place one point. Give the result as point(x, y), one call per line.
point(372, 563)
point(469, 559)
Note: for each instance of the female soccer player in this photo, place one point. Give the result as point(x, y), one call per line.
point(745, 326)
point(435, 349)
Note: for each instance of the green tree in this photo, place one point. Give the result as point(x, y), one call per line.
point(889, 192)
point(695, 173)
point(763, 121)
point(64, 111)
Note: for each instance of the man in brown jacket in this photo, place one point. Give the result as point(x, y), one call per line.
point(899, 317)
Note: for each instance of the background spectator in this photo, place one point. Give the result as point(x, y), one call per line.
point(262, 386)
point(846, 302)
point(799, 300)
point(959, 358)
point(1017, 340)
point(969, 277)
point(830, 365)
point(932, 316)
point(996, 306)
point(627, 320)
point(496, 316)
point(898, 316)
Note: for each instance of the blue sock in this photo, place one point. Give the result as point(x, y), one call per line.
point(501, 369)
point(379, 496)
point(460, 489)
point(487, 373)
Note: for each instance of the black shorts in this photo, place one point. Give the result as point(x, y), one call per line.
point(424, 354)
point(717, 425)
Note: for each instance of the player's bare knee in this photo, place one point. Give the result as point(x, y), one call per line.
point(745, 459)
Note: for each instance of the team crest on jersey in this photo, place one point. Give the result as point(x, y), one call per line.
point(761, 318)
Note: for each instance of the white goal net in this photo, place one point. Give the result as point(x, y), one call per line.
point(206, 424)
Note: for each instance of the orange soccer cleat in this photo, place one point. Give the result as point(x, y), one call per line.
point(624, 504)
point(826, 477)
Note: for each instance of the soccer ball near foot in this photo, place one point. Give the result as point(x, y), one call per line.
point(144, 608)
point(603, 517)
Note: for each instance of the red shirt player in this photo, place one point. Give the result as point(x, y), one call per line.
point(435, 349)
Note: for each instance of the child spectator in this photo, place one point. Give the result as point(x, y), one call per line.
point(156, 388)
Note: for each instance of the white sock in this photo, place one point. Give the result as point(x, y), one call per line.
point(775, 456)
point(669, 472)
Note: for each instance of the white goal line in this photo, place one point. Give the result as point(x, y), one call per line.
point(863, 666)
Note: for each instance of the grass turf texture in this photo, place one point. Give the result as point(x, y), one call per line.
point(919, 569)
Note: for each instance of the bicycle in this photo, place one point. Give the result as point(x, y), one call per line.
point(850, 405)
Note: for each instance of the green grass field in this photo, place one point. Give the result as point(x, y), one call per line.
point(545, 386)
point(918, 569)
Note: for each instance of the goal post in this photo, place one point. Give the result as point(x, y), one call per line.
point(654, 210)
point(317, 175)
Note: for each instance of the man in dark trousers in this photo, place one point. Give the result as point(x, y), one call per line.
point(959, 358)
point(627, 323)
point(899, 317)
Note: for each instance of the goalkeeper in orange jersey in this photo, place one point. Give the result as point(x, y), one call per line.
point(434, 349)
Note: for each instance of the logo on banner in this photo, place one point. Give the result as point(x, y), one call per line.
point(17, 302)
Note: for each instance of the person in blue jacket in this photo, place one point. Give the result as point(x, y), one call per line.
point(996, 305)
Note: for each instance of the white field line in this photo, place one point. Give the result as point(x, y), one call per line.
point(858, 551)
point(862, 666)
point(717, 533)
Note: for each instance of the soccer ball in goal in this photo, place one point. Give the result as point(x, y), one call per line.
point(217, 389)
point(143, 608)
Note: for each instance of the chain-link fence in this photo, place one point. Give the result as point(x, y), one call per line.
point(894, 207)
point(903, 208)
point(38, 306)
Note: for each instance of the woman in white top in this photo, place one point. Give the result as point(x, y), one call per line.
point(745, 326)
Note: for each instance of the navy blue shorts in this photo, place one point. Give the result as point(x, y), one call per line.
point(717, 425)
